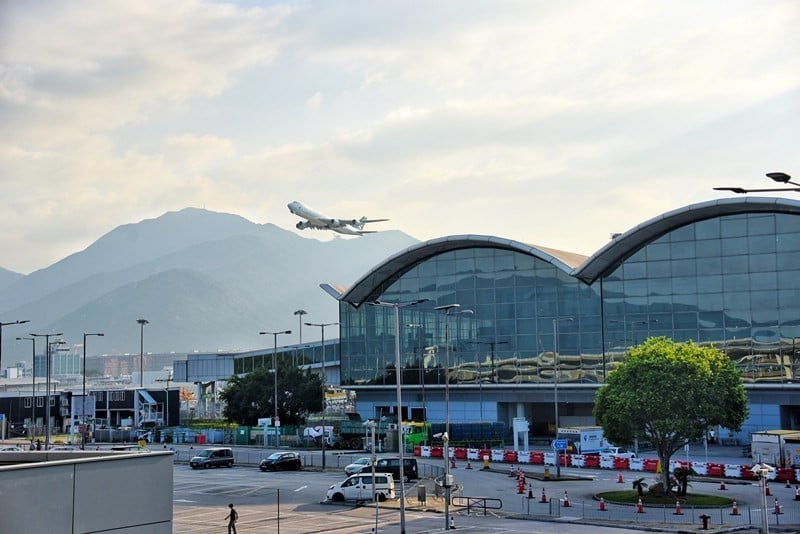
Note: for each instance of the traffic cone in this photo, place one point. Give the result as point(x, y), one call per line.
point(530, 491)
point(602, 506)
point(619, 479)
point(777, 507)
point(797, 493)
point(639, 507)
point(722, 485)
point(469, 465)
point(511, 472)
point(767, 492)
point(521, 486)
point(788, 486)
point(544, 497)
point(452, 523)
point(677, 508)
point(452, 463)
point(566, 499)
point(735, 510)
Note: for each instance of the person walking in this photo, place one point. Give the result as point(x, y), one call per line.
point(232, 517)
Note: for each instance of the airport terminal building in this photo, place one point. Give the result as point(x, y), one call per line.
point(724, 273)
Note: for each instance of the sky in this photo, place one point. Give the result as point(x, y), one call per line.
point(551, 123)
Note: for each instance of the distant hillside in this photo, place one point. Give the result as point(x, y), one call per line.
point(206, 281)
point(8, 277)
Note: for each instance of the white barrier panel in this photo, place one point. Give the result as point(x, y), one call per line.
point(497, 456)
point(636, 464)
point(578, 460)
point(425, 452)
point(772, 475)
point(550, 458)
point(700, 468)
point(733, 471)
point(473, 454)
point(524, 457)
point(607, 462)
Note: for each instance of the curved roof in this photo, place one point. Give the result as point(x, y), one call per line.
point(368, 287)
point(625, 245)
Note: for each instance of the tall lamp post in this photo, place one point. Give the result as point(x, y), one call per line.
point(324, 387)
point(1, 338)
point(275, 420)
point(47, 381)
point(33, 386)
point(555, 384)
point(83, 398)
point(398, 373)
point(448, 311)
point(421, 328)
point(141, 322)
point(300, 313)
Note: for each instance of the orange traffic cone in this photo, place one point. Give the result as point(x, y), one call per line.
point(469, 465)
point(639, 507)
point(619, 479)
point(602, 506)
point(511, 472)
point(521, 486)
point(735, 510)
point(566, 499)
point(452, 463)
point(778, 510)
point(767, 492)
point(722, 485)
point(544, 497)
point(530, 491)
point(677, 508)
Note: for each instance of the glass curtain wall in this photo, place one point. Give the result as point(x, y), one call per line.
point(508, 337)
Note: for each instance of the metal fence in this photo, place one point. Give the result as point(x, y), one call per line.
point(787, 515)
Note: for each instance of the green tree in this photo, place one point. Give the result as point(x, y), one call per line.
point(667, 393)
point(249, 397)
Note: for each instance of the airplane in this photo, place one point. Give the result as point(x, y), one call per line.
point(317, 221)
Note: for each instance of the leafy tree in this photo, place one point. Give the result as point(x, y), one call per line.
point(252, 396)
point(668, 393)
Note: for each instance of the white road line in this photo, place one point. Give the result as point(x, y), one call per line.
point(301, 488)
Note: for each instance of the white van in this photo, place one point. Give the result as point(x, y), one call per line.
point(359, 487)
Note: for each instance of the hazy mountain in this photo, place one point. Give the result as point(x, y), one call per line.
point(206, 281)
point(8, 277)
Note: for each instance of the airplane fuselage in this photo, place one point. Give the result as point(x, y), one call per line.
point(319, 221)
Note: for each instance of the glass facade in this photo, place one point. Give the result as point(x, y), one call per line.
point(731, 280)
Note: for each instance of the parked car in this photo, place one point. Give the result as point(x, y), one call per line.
point(360, 488)
point(617, 452)
point(213, 457)
point(64, 448)
point(11, 448)
point(362, 464)
point(392, 465)
point(278, 461)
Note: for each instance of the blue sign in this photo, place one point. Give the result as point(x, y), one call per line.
point(559, 444)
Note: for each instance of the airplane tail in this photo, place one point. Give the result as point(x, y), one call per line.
point(363, 220)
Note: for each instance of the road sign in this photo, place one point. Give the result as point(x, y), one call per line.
point(559, 444)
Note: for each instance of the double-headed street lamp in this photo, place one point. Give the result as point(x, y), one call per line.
point(275, 378)
point(324, 438)
point(141, 322)
point(299, 313)
point(83, 398)
point(47, 382)
point(1, 338)
point(33, 386)
point(398, 372)
point(448, 311)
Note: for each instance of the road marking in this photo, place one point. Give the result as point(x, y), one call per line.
point(181, 500)
point(301, 488)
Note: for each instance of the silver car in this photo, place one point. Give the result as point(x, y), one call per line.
point(362, 464)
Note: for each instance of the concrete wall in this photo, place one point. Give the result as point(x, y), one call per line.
point(120, 493)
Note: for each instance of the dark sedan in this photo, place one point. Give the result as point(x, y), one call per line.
point(280, 461)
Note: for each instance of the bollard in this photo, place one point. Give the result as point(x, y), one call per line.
point(704, 518)
point(547, 473)
point(485, 461)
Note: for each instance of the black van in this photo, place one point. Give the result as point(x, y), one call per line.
point(392, 465)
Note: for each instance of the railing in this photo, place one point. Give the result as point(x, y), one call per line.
point(481, 503)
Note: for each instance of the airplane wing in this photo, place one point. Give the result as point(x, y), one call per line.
point(374, 220)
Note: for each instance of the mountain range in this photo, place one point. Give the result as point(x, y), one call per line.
point(205, 281)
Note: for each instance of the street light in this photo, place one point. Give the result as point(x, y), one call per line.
point(555, 384)
point(448, 311)
point(83, 399)
point(421, 369)
point(324, 438)
point(780, 177)
point(33, 386)
point(47, 382)
point(398, 372)
point(300, 313)
point(1, 338)
point(275, 420)
point(762, 471)
point(141, 322)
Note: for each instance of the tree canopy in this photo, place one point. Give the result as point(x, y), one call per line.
point(252, 396)
point(667, 393)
